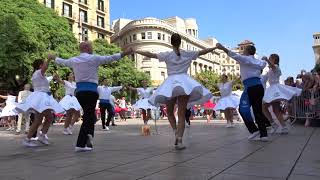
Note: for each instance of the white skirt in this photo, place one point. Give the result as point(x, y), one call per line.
point(280, 92)
point(39, 102)
point(70, 102)
point(9, 110)
point(143, 104)
point(230, 101)
point(177, 85)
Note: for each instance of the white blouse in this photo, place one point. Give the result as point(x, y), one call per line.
point(70, 87)
point(145, 93)
point(40, 82)
point(225, 89)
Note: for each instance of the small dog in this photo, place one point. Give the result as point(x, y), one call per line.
point(146, 130)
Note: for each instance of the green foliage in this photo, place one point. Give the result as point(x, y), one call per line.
point(29, 31)
point(210, 80)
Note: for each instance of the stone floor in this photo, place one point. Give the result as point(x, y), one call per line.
point(213, 152)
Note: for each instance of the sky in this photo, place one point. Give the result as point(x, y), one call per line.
point(284, 27)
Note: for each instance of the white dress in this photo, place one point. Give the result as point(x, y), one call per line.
point(40, 100)
point(69, 101)
point(227, 100)
point(9, 109)
point(277, 91)
point(179, 82)
point(143, 102)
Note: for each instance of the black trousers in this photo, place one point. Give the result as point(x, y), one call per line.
point(88, 101)
point(252, 96)
point(103, 107)
point(31, 121)
point(188, 114)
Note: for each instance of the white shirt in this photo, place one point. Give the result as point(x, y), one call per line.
point(105, 91)
point(237, 93)
point(85, 66)
point(23, 95)
point(177, 64)
point(273, 75)
point(10, 100)
point(40, 82)
point(122, 103)
point(145, 93)
point(70, 87)
point(225, 89)
point(249, 66)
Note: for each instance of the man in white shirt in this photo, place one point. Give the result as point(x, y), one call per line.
point(85, 68)
point(250, 71)
point(21, 98)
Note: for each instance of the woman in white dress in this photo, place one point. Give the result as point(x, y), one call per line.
point(41, 102)
point(69, 103)
point(276, 93)
point(143, 103)
point(228, 102)
point(9, 113)
point(179, 87)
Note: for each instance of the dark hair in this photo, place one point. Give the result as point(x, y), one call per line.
point(276, 58)
point(250, 49)
point(238, 87)
point(68, 74)
point(224, 75)
point(176, 41)
point(36, 64)
point(290, 78)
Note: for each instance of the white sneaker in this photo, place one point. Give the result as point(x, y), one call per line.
point(34, 139)
point(228, 125)
point(253, 135)
point(45, 135)
point(65, 131)
point(82, 149)
point(274, 129)
point(264, 139)
point(29, 143)
point(42, 138)
point(69, 131)
point(284, 130)
point(187, 125)
point(106, 129)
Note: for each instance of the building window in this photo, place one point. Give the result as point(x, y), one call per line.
point(130, 38)
point(85, 34)
point(83, 15)
point(169, 39)
point(149, 35)
point(49, 3)
point(100, 21)
point(134, 37)
point(163, 75)
point(100, 36)
point(71, 27)
point(143, 35)
point(163, 37)
point(101, 5)
point(147, 72)
point(67, 10)
point(159, 36)
point(83, 1)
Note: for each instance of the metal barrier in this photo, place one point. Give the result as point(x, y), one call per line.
point(306, 106)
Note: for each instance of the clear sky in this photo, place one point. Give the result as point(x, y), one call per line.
point(275, 26)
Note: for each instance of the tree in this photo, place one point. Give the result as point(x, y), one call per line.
point(121, 72)
point(29, 31)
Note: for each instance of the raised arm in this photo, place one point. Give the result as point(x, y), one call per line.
point(110, 58)
point(60, 61)
point(271, 65)
point(58, 79)
point(3, 97)
point(205, 51)
point(147, 54)
point(115, 88)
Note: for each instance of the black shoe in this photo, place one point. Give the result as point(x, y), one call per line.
point(90, 141)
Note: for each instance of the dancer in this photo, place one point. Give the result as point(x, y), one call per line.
point(123, 108)
point(228, 102)
point(238, 92)
point(143, 103)
point(250, 71)
point(105, 103)
point(9, 113)
point(179, 87)
point(85, 68)
point(188, 116)
point(113, 104)
point(208, 109)
point(275, 93)
point(22, 98)
point(42, 102)
point(69, 103)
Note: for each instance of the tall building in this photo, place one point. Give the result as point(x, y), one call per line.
point(151, 34)
point(316, 47)
point(89, 19)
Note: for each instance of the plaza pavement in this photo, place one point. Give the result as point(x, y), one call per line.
point(213, 152)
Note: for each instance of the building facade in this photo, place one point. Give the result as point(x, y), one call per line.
point(88, 19)
point(151, 34)
point(316, 47)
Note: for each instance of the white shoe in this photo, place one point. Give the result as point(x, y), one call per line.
point(284, 130)
point(106, 129)
point(264, 139)
point(69, 131)
point(187, 125)
point(253, 135)
point(232, 125)
point(29, 143)
point(45, 135)
point(34, 139)
point(65, 131)
point(82, 149)
point(42, 138)
point(228, 125)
